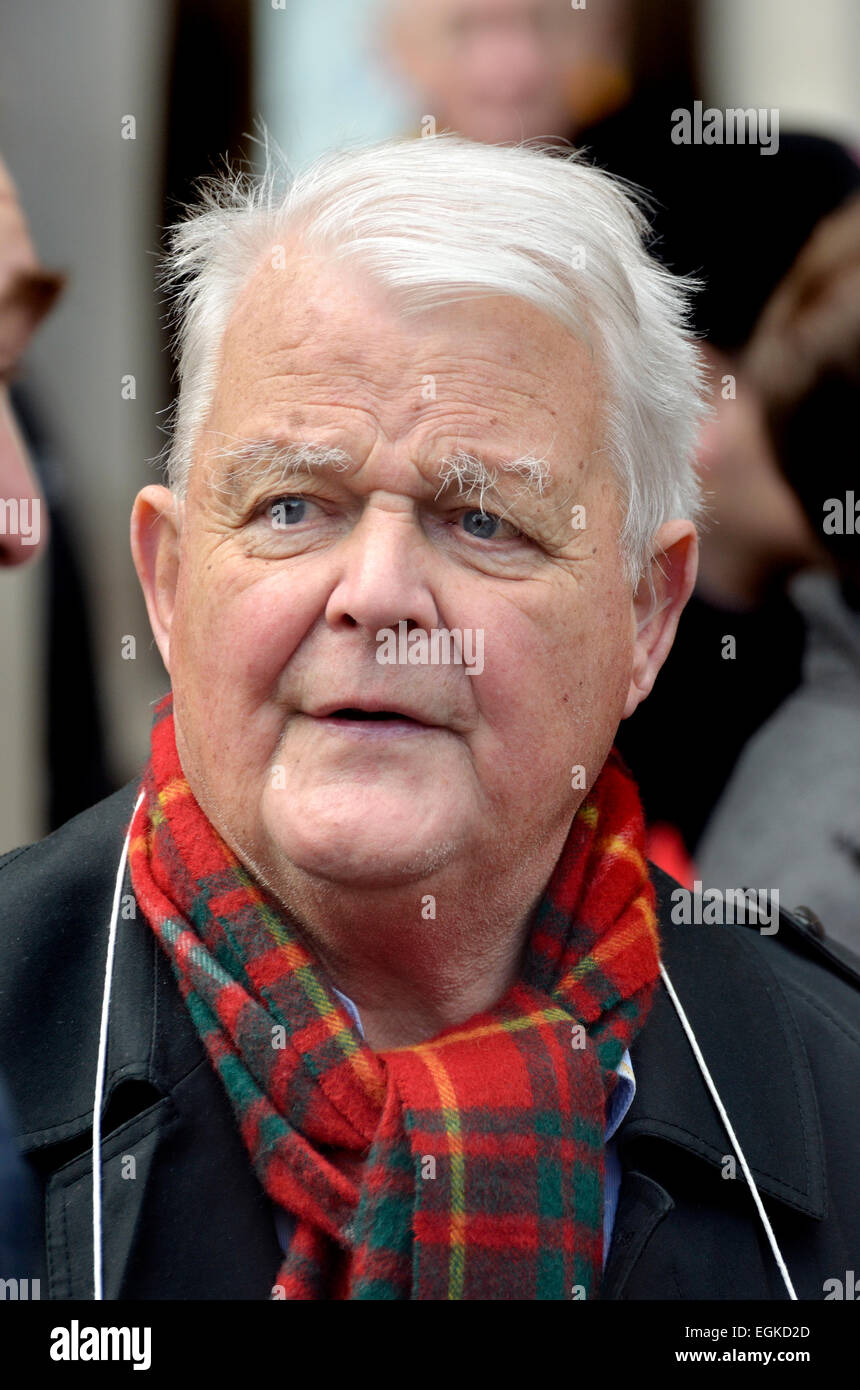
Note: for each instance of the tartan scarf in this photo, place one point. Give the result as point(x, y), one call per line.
point(478, 1156)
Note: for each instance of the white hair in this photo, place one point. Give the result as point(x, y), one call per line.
point(442, 219)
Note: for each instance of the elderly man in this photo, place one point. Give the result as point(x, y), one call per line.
point(349, 997)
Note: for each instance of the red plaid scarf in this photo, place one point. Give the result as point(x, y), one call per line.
point(478, 1156)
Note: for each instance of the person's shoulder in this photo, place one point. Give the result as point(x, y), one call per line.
point(55, 907)
point(793, 946)
point(70, 867)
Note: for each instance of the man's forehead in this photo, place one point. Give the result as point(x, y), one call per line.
point(300, 298)
point(304, 345)
point(294, 282)
point(489, 380)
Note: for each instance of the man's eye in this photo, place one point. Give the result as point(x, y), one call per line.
point(290, 510)
point(485, 526)
point(284, 512)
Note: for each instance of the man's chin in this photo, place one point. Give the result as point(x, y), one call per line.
point(369, 850)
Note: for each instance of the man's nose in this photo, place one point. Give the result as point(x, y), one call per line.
point(23, 513)
point(383, 574)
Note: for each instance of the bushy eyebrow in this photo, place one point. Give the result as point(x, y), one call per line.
point(470, 472)
point(275, 462)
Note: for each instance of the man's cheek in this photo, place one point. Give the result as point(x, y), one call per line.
point(251, 637)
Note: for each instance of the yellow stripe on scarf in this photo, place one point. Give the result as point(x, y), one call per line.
point(457, 1253)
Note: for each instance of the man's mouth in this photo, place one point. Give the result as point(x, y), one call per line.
point(365, 722)
point(372, 710)
point(370, 714)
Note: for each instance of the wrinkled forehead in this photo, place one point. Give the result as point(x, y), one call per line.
point(302, 309)
point(317, 349)
point(298, 298)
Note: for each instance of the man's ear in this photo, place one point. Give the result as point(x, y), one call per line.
point(673, 565)
point(155, 527)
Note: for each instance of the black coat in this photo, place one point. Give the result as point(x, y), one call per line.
point(777, 1018)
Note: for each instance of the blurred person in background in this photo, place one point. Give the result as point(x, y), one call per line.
point(608, 79)
point(27, 293)
point(72, 733)
point(790, 814)
point(544, 71)
point(737, 221)
point(510, 70)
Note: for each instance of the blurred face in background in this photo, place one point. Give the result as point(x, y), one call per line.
point(759, 531)
point(27, 292)
point(504, 70)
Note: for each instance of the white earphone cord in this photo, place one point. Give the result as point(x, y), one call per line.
point(98, 1288)
point(101, 1067)
point(697, 1053)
